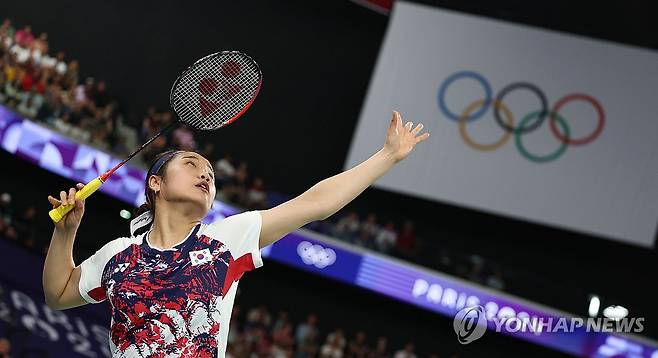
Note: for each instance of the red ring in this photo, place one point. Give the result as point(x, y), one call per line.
point(583, 97)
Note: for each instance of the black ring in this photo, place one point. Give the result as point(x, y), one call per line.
point(531, 88)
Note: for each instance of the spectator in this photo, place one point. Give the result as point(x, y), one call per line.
point(5, 347)
point(282, 339)
point(60, 66)
point(150, 124)
point(496, 280)
point(80, 93)
point(386, 238)
point(406, 244)
point(238, 349)
point(258, 317)
point(476, 273)
point(306, 329)
point(331, 349)
point(71, 76)
point(256, 195)
point(237, 191)
point(308, 348)
point(99, 95)
point(183, 137)
point(24, 37)
point(10, 69)
point(6, 210)
point(365, 240)
point(21, 53)
point(234, 329)
point(348, 226)
point(224, 170)
point(6, 29)
point(339, 335)
point(153, 149)
point(30, 104)
point(27, 81)
point(381, 349)
point(281, 320)
point(10, 232)
point(11, 90)
point(63, 124)
point(406, 352)
point(40, 47)
point(370, 226)
point(358, 347)
point(208, 151)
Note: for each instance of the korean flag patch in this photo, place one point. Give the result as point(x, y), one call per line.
point(200, 257)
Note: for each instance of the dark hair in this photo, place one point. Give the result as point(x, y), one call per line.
point(150, 193)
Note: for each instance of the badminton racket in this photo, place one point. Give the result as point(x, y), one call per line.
point(213, 92)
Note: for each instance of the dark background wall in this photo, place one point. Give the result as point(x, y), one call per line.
point(317, 58)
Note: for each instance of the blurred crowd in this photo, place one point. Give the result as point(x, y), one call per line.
point(258, 334)
point(49, 89)
point(401, 239)
point(20, 226)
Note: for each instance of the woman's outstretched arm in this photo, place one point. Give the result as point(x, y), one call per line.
point(330, 195)
point(60, 275)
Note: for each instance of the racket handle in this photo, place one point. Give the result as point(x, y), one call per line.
point(59, 212)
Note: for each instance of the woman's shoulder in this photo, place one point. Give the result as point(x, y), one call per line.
point(119, 244)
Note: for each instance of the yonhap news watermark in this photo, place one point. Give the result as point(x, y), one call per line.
point(471, 323)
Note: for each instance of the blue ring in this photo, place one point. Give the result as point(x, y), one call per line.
point(452, 78)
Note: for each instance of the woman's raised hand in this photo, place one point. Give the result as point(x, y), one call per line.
point(71, 221)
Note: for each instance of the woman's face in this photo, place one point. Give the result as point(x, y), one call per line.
point(189, 178)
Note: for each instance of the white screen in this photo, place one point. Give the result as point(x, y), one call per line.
point(606, 186)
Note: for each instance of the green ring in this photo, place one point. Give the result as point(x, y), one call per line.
point(549, 157)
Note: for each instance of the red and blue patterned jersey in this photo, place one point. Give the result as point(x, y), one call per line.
point(175, 302)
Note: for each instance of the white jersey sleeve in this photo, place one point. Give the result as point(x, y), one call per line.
point(91, 286)
point(241, 234)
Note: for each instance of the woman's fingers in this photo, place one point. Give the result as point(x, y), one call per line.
point(418, 128)
point(398, 121)
point(422, 137)
point(71, 196)
point(79, 186)
point(54, 201)
point(64, 198)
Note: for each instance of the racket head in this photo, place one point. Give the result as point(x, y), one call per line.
point(216, 90)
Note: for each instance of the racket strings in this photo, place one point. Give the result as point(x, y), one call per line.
point(215, 90)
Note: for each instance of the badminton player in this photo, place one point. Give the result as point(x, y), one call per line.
point(172, 282)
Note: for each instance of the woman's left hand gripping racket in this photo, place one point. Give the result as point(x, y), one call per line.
point(213, 92)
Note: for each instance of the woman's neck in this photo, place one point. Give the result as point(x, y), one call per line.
point(171, 226)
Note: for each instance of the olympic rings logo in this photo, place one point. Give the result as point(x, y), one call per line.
point(316, 255)
point(528, 123)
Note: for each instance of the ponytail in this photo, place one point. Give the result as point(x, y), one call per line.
point(141, 209)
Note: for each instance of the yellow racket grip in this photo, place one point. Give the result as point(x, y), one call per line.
point(58, 213)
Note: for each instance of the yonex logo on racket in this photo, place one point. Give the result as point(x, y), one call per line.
point(529, 122)
point(209, 99)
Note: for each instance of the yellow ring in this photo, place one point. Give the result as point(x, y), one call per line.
point(485, 147)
